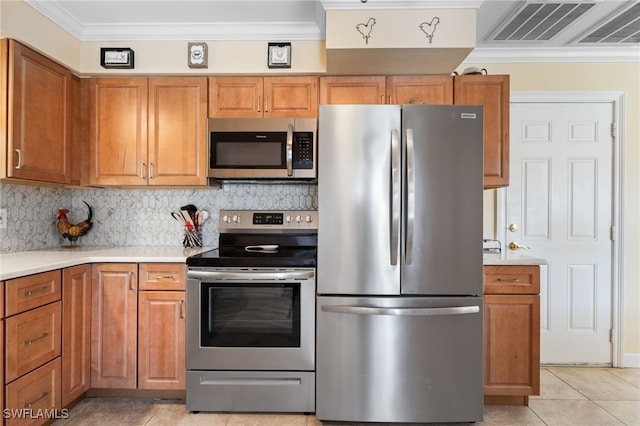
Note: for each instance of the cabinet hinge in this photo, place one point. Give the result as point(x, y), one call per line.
point(612, 233)
point(612, 335)
point(613, 130)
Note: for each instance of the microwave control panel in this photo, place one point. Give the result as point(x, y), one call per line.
point(302, 150)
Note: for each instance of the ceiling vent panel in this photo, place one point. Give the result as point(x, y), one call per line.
point(624, 28)
point(541, 21)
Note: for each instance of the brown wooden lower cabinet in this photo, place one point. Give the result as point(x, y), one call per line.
point(76, 332)
point(511, 334)
point(32, 338)
point(33, 398)
point(138, 337)
point(161, 340)
point(114, 305)
point(2, 404)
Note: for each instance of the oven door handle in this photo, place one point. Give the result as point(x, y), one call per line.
point(271, 276)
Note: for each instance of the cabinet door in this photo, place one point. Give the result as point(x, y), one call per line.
point(352, 90)
point(41, 110)
point(511, 345)
point(286, 97)
point(430, 89)
point(114, 317)
point(161, 349)
point(240, 97)
point(118, 131)
point(177, 131)
point(76, 332)
point(491, 91)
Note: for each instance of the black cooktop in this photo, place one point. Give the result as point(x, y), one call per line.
point(282, 257)
point(240, 250)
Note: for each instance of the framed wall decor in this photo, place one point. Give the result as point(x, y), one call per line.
point(197, 55)
point(279, 55)
point(116, 57)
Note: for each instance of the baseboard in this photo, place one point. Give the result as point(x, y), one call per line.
point(631, 360)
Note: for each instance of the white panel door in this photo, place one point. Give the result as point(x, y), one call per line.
point(560, 198)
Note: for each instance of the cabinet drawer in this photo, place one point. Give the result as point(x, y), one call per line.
point(511, 279)
point(36, 392)
point(162, 276)
point(32, 338)
point(32, 291)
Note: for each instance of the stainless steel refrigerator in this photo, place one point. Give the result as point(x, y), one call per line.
point(399, 306)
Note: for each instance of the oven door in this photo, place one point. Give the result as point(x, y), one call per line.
point(251, 319)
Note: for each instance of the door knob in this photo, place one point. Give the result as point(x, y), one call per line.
point(515, 246)
point(514, 227)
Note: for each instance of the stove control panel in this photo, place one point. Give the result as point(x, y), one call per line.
point(253, 220)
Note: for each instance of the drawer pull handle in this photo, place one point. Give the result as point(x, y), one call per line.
point(182, 309)
point(32, 341)
point(508, 280)
point(30, 404)
point(30, 293)
point(164, 277)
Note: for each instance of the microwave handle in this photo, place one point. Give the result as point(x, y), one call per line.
point(290, 150)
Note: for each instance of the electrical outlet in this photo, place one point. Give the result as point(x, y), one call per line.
point(3, 218)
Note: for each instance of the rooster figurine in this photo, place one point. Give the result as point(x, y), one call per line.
point(70, 231)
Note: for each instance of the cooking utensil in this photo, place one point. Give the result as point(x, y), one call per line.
point(201, 216)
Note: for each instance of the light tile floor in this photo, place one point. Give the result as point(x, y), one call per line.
point(568, 396)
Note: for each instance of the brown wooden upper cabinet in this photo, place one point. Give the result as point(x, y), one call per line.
point(491, 91)
point(268, 97)
point(38, 115)
point(147, 131)
point(429, 89)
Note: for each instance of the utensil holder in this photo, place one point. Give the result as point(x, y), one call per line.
point(192, 238)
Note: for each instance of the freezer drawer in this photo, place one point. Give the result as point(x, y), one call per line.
point(397, 359)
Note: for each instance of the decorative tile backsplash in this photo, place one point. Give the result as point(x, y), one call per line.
point(130, 217)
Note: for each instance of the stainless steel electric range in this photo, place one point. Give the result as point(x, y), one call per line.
point(251, 315)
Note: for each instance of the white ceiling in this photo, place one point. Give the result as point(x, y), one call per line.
point(288, 20)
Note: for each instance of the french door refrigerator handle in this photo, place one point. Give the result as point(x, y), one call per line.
point(395, 196)
point(411, 198)
point(290, 150)
point(372, 310)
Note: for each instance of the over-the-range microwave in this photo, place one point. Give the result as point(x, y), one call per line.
point(262, 148)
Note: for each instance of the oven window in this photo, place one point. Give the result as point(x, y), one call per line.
point(256, 315)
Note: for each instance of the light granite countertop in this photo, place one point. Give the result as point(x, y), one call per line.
point(511, 259)
point(18, 264)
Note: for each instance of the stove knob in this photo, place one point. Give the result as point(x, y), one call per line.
point(308, 218)
point(226, 218)
point(298, 218)
point(236, 218)
point(288, 218)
